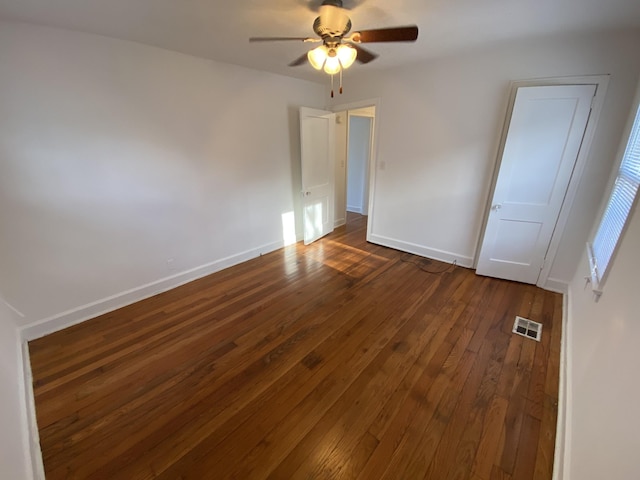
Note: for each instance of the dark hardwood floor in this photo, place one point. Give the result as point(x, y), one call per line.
point(340, 360)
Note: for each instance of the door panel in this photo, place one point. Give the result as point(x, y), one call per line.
point(543, 141)
point(517, 240)
point(317, 140)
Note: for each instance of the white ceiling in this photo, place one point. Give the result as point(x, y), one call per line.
point(219, 30)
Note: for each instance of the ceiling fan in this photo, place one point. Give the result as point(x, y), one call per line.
point(339, 50)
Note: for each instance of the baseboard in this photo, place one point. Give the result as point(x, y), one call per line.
point(433, 253)
point(77, 315)
point(561, 457)
point(33, 439)
point(354, 209)
point(555, 285)
point(339, 222)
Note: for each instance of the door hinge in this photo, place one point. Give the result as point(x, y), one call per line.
point(593, 101)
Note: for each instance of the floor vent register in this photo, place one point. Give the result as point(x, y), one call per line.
point(527, 328)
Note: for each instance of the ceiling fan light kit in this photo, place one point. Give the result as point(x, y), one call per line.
point(337, 51)
point(332, 59)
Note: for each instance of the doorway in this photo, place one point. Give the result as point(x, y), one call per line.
point(355, 146)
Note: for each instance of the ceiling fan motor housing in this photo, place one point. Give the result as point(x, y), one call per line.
point(333, 21)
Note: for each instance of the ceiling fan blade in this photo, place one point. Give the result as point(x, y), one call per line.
point(364, 55)
point(393, 34)
point(281, 39)
point(299, 61)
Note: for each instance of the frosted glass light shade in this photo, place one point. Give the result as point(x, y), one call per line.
point(332, 65)
point(347, 55)
point(317, 57)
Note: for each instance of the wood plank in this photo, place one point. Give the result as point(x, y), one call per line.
point(341, 359)
point(489, 443)
point(527, 448)
point(546, 437)
point(232, 392)
point(380, 351)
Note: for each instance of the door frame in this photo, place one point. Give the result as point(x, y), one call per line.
point(365, 193)
point(373, 155)
point(601, 82)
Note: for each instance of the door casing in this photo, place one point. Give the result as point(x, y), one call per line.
point(365, 194)
point(375, 102)
point(601, 82)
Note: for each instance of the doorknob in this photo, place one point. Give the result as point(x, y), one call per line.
point(306, 194)
point(496, 207)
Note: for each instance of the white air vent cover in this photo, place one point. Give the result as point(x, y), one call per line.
point(527, 328)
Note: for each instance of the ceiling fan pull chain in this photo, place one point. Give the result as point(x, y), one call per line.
point(340, 81)
point(332, 86)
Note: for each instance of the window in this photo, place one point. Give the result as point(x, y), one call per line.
point(615, 216)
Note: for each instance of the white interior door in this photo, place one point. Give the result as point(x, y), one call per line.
point(317, 139)
point(543, 141)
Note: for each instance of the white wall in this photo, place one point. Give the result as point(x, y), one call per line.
point(603, 359)
point(439, 128)
point(124, 165)
point(14, 460)
point(604, 356)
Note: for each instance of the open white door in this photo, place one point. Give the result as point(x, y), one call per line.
point(543, 141)
point(317, 140)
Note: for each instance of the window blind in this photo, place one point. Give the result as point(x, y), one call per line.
point(620, 203)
